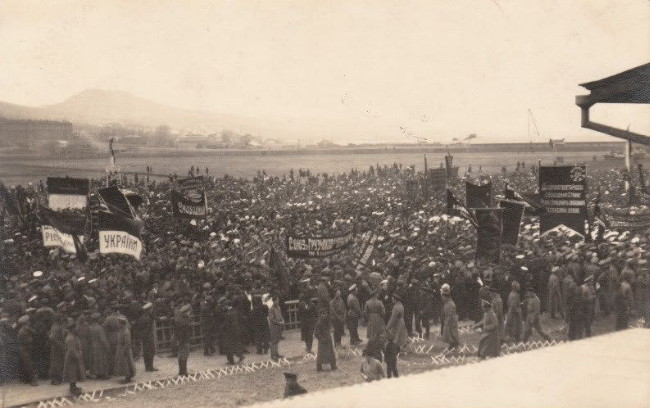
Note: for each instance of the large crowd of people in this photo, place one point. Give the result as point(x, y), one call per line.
point(68, 319)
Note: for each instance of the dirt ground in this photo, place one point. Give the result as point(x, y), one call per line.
point(266, 385)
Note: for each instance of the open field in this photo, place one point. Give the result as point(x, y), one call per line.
point(20, 169)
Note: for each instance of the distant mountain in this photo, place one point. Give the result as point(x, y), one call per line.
point(100, 107)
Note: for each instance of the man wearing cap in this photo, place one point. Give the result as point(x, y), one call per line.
point(513, 316)
point(57, 335)
point(326, 353)
point(232, 335)
point(208, 325)
point(374, 312)
point(182, 333)
point(533, 309)
point(98, 349)
point(292, 387)
point(276, 327)
point(124, 362)
point(588, 303)
point(353, 315)
point(554, 294)
point(449, 318)
point(146, 325)
point(337, 317)
point(73, 368)
point(490, 343)
point(26, 341)
point(307, 316)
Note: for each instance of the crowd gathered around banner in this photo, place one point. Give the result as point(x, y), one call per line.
point(84, 282)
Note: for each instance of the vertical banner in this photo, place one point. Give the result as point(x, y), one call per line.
point(563, 192)
point(478, 196)
point(488, 234)
point(513, 212)
point(67, 193)
point(438, 179)
point(364, 251)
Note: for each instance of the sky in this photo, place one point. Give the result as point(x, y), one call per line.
point(347, 70)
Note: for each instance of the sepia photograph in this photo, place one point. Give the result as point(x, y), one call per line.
point(343, 203)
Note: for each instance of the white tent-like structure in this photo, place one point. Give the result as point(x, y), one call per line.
point(611, 370)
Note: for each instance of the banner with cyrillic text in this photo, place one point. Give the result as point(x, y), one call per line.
point(562, 191)
point(119, 235)
point(52, 237)
point(67, 193)
point(317, 247)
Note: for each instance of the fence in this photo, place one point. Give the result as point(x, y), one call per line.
point(164, 330)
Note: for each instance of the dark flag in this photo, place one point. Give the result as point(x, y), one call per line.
point(133, 198)
point(67, 192)
point(513, 212)
point(279, 271)
point(563, 191)
point(437, 179)
point(532, 202)
point(478, 196)
point(456, 209)
point(364, 251)
point(119, 234)
point(488, 234)
point(642, 179)
point(116, 202)
point(190, 199)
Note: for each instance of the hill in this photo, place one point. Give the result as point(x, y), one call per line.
point(101, 107)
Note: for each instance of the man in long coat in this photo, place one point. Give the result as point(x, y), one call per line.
point(124, 362)
point(112, 328)
point(513, 316)
point(98, 345)
point(497, 306)
point(57, 336)
point(146, 325)
point(490, 343)
point(337, 317)
point(396, 326)
point(276, 327)
point(26, 342)
point(533, 309)
point(259, 320)
point(449, 318)
point(326, 354)
point(182, 332)
point(554, 294)
point(73, 367)
point(232, 335)
point(353, 315)
point(374, 312)
point(307, 316)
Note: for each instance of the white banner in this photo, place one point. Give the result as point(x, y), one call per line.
point(119, 242)
point(52, 237)
point(58, 202)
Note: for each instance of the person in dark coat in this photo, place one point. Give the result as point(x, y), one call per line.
point(490, 343)
point(182, 332)
point(26, 342)
point(232, 335)
point(208, 327)
point(276, 327)
point(425, 310)
point(57, 336)
point(84, 338)
point(124, 362)
point(98, 349)
point(326, 354)
point(622, 308)
point(323, 295)
point(220, 317)
point(307, 316)
point(9, 352)
point(353, 315)
point(260, 325)
point(292, 387)
point(411, 307)
point(42, 324)
point(111, 327)
point(73, 367)
point(337, 317)
point(146, 325)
